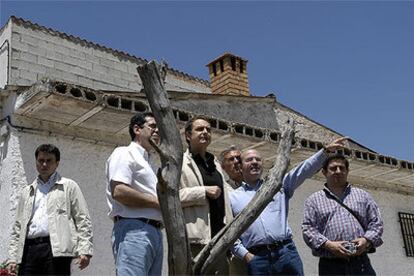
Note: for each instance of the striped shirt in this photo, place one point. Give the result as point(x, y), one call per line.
point(325, 219)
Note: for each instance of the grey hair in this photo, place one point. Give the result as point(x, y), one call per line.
point(227, 150)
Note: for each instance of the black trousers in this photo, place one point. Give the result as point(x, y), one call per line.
point(359, 265)
point(38, 260)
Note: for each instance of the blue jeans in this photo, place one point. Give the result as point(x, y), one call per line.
point(284, 260)
point(137, 248)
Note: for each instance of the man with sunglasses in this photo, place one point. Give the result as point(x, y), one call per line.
point(132, 198)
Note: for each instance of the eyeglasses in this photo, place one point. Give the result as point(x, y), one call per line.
point(234, 158)
point(151, 126)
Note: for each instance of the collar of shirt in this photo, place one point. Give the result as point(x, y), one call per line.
point(140, 149)
point(207, 163)
point(247, 187)
point(44, 187)
point(344, 194)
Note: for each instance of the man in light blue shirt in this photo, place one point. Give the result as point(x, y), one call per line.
point(267, 246)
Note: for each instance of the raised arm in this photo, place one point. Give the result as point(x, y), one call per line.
point(295, 177)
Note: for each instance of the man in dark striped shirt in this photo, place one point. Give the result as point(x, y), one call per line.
point(340, 239)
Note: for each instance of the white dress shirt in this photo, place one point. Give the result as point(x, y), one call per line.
point(130, 166)
point(38, 225)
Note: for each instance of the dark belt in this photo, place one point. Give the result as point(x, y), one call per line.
point(155, 223)
point(268, 247)
point(38, 240)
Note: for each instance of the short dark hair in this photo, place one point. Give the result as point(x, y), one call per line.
point(224, 152)
point(139, 120)
point(336, 156)
point(48, 148)
point(189, 125)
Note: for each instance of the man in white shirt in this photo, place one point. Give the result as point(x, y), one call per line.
point(133, 202)
point(52, 223)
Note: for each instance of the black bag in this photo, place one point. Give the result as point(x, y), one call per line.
point(371, 249)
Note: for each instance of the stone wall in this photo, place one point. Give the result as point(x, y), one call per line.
point(38, 52)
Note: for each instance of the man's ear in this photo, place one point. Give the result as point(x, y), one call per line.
point(137, 129)
point(187, 135)
point(324, 172)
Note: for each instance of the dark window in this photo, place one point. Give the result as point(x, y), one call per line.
point(233, 63)
point(241, 66)
point(221, 66)
point(214, 69)
point(407, 230)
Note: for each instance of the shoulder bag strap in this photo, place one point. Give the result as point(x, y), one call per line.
point(345, 206)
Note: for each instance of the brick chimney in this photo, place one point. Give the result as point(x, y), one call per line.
point(228, 75)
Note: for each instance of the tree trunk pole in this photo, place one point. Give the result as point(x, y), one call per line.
point(171, 155)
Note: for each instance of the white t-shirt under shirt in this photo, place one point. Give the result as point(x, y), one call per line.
point(130, 165)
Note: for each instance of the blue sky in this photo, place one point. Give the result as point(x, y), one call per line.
point(346, 65)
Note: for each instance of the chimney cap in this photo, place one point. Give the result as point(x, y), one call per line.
point(226, 54)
